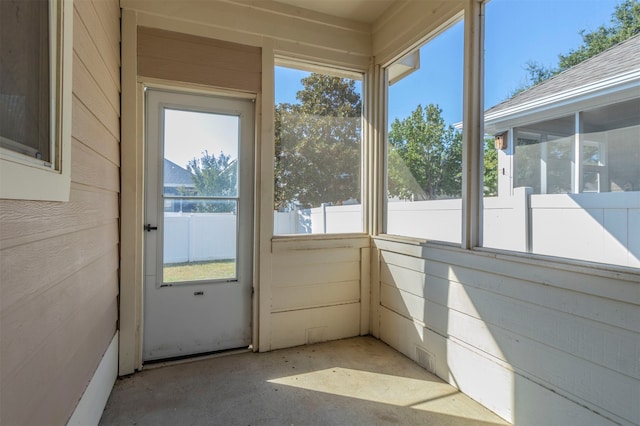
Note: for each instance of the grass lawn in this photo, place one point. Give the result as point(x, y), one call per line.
point(196, 271)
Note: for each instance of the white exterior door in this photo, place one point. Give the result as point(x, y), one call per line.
point(198, 224)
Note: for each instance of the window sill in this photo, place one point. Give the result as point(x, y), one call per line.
point(318, 241)
point(26, 182)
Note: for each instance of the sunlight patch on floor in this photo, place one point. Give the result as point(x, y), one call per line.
point(425, 395)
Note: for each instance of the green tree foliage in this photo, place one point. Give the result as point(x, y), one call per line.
point(425, 157)
point(214, 176)
point(317, 144)
point(624, 23)
point(490, 168)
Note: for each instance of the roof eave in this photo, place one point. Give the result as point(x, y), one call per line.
point(614, 89)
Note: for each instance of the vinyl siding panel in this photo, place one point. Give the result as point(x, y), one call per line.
point(59, 261)
point(180, 57)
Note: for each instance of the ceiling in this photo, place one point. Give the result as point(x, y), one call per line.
point(366, 11)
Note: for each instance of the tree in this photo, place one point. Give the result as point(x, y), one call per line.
point(490, 160)
point(424, 159)
point(425, 156)
point(317, 144)
point(624, 23)
point(214, 176)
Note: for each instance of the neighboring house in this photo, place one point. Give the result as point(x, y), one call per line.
point(590, 112)
point(177, 181)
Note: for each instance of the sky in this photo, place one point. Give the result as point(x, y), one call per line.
point(517, 31)
point(188, 134)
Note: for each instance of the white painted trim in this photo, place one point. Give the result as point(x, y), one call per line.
point(472, 131)
point(193, 88)
point(379, 143)
point(257, 208)
point(319, 241)
point(609, 281)
point(131, 200)
point(410, 25)
point(284, 60)
point(367, 150)
point(275, 7)
point(265, 193)
point(94, 399)
point(365, 291)
point(289, 28)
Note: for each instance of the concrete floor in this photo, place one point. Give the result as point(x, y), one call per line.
point(359, 381)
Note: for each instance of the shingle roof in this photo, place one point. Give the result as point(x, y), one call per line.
point(617, 60)
point(175, 175)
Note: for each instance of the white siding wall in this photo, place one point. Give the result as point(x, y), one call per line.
point(319, 290)
point(537, 343)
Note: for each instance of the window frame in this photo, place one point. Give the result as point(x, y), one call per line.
point(295, 63)
point(411, 55)
point(20, 176)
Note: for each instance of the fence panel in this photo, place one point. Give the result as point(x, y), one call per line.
point(595, 227)
point(176, 238)
point(198, 237)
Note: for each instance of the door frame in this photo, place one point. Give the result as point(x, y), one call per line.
point(133, 203)
point(131, 171)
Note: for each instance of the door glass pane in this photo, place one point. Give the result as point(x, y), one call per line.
point(24, 78)
point(203, 150)
point(200, 188)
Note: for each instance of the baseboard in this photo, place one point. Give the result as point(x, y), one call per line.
point(89, 409)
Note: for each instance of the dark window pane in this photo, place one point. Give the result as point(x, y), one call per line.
point(24, 77)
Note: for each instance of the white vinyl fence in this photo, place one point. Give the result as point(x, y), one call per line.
point(197, 237)
point(320, 220)
point(602, 227)
point(598, 227)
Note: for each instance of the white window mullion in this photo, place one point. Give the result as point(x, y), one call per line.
point(576, 182)
point(473, 127)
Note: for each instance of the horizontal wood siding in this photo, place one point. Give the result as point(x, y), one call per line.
point(180, 57)
point(528, 336)
point(317, 289)
point(59, 261)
